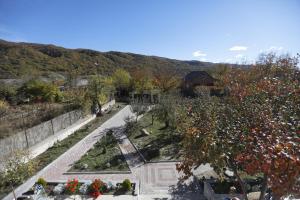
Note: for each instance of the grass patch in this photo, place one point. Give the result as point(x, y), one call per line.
point(61, 147)
point(104, 156)
point(162, 144)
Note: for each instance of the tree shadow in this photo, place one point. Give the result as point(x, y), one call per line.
point(189, 189)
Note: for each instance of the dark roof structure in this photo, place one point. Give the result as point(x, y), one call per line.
point(198, 78)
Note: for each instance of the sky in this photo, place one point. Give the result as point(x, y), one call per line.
point(208, 30)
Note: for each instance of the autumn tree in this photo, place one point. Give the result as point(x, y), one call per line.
point(166, 79)
point(98, 91)
point(255, 129)
point(121, 80)
point(142, 80)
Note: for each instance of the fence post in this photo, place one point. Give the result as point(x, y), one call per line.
point(70, 118)
point(24, 127)
point(52, 126)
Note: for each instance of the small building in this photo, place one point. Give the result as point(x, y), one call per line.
point(197, 83)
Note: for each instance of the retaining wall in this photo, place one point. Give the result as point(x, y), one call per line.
point(36, 134)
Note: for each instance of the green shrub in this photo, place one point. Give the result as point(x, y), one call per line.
point(126, 185)
point(42, 182)
point(8, 93)
point(39, 90)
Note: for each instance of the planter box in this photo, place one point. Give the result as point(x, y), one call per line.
point(77, 196)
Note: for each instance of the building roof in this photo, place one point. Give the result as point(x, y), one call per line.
point(196, 78)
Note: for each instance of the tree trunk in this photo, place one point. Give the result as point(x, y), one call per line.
point(100, 108)
point(152, 119)
point(167, 123)
point(13, 191)
point(241, 182)
point(264, 188)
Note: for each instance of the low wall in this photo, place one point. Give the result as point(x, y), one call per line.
point(36, 134)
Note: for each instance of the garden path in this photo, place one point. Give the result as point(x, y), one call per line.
point(131, 155)
point(55, 170)
point(154, 180)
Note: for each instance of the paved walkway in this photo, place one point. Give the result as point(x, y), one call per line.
point(55, 170)
point(131, 155)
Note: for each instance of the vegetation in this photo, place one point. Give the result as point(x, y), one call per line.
point(122, 81)
point(42, 182)
point(54, 152)
point(40, 91)
point(17, 171)
point(72, 186)
point(161, 144)
point(8, 93)
point(126, 185)
point(255, 129)
point(97, 188)
point(23, 59)
point(165, 110)
point(4, 107)
point(104, 156)
point(166, 79)
point(18, 118)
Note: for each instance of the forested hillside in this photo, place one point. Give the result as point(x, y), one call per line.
point(26, 59)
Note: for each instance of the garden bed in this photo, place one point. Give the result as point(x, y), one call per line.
point(162, 144)
point(83, 190)
point(104, 156)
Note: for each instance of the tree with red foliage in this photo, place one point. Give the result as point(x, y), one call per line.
point(255, 129)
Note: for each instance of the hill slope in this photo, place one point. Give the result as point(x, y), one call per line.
point(27, 59)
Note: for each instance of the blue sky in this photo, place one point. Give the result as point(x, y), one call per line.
point(211, 30)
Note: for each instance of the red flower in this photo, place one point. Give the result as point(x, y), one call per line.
point(72, 185)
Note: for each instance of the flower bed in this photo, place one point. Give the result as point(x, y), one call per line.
point(85, 190)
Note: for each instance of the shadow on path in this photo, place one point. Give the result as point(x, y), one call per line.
point(189, 189)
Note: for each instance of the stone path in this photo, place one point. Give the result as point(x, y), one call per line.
point(132, 157)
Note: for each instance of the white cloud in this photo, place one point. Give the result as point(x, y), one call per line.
point(203, 59)
point(238, 48)
point(239, 56)
point(271, 49)
point(229, 60)
point(275, 48)
point(199, 54)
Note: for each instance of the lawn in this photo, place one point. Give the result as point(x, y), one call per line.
point(59, 148)
point(162, 144)
point(104, 156)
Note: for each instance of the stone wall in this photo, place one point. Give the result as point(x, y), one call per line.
point(36, 134)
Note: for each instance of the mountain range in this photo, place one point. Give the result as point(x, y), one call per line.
point(21, 59)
